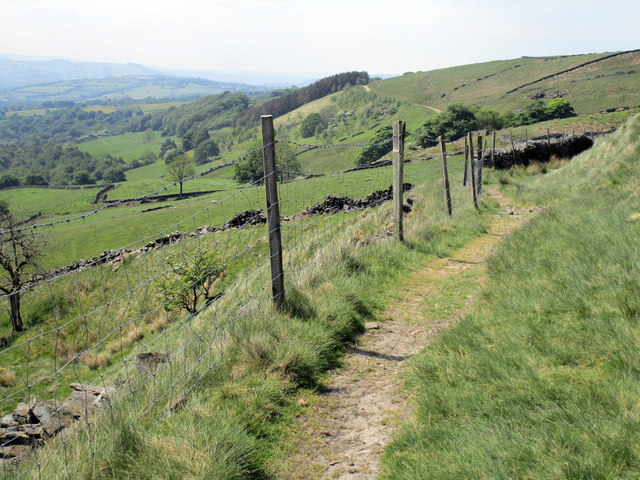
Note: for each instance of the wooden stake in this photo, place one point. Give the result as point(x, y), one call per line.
point(493, 151)
point(273, 209)
point(479, 165)
point(398, 185)
point(473, 177)
point(466, 162)
point(513, 148)
point(445, 178)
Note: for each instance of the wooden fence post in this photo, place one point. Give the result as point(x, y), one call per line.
point(473, 176)
point(493, 151)
point(466, 162)
point(273, 209)
point(526, 138)
point(480, 165)
point(548, 144)
point(445, 178)
point(398, 185)
point(513, 148)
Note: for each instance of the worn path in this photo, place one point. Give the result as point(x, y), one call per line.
point(345, 430)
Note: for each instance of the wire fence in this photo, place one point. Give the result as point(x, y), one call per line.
point(135, 332)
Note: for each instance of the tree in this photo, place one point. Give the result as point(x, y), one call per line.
point(189, 279)
point(148, 136)
point(172, 155)
point(379, 148)
point(82, 177)
point(559, 108)
point(8, 180)
point(35, 179)
point(202, 153)
point(311, 124)
point(114, 175)
point(451, 124)
point(251, 168)
point(19, 253)
point(194, 137)
point(181, 168)
point(167, 145)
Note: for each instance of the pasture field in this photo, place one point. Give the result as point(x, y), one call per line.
point(610, 83)
point(128, 145)
point(30, 201)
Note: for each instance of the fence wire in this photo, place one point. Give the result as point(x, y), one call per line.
point(137, 331)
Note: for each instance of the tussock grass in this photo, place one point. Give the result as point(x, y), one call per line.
point(541, 381)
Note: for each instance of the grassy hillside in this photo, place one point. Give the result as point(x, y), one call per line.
point(607, 83)
point(540, 381)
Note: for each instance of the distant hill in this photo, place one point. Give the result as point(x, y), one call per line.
point(21, 73)
point(125, 87)
point(591, 82)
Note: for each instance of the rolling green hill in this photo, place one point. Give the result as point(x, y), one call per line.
point(592, 82)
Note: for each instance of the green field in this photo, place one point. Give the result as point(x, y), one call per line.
point(610, 83)
point(128, 146)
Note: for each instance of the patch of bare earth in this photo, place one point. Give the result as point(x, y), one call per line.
point(344, 430)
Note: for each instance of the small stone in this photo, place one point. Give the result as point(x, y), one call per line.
point(372, 326)
point(148, 362)
point(8, 421)
point(21, 414)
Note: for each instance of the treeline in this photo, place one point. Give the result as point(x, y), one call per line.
point(38, 162)
point(286, 103)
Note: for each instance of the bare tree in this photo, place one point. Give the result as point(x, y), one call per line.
point(19, 253)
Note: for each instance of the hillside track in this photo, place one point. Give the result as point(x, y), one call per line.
point(343, 432)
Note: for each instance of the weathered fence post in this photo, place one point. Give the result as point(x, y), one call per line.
point(445, 178)
point(526, 139)
point(473, 168)
point(480, 165)
point(548, 144)
point(493, 151)
point(466, 162)
point(513, 148)
point(273, 209)
point(398, 185)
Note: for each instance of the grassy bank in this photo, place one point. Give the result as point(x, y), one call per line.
point(542, 380)
point(241, 373)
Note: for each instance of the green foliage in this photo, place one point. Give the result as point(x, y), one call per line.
point(172, 155)
point(167, 145)
point(146, 158)
point(203, 152)
point(312, 124)
point(35, 179)
point(180, 168)
point(83, 177)
point(374, 152)
point(488, 119)
point(456, 121)
point(114, 175)
point(190, 278)
point(251, 168)
point(559, 108)
point(8, 180)
point(194, 137)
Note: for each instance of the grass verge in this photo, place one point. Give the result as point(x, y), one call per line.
point(542, 380)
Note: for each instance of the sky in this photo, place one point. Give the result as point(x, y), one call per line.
point(314, 38)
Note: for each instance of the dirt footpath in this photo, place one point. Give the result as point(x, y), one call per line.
point(344, 431)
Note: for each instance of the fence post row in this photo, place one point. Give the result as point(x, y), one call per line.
point(445, 178)
point(273, 209)
point(398, 185)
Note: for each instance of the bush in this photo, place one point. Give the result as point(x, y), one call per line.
point(379, 148)
point(8, 180)
point(114, 175)
point(313, 124)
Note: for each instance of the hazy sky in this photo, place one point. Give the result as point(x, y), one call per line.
point(314, 37)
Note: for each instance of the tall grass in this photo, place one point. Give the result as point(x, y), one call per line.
point(542, 381)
